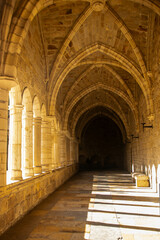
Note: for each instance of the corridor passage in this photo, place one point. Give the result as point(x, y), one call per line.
point(93, 206)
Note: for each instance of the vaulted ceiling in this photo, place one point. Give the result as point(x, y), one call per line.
point(97, 56)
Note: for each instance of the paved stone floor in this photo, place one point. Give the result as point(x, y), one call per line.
point(93, 206)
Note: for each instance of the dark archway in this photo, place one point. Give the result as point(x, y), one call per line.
point(101, 145)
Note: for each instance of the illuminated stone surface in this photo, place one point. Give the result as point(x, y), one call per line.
point(93, 205)
point(64, 64)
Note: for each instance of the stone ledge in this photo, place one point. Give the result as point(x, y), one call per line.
point(16, 184)
point(18, 198)
point(141, 179)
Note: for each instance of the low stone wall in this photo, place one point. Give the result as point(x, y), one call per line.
point(18, 198)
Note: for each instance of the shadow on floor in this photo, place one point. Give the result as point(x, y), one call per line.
point(83, 209)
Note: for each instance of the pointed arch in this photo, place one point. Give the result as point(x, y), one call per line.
point(36, 107)
point(113, 118)
point(110, 52)
point(27, 100)
point(107, 88)
point(120, 115)
point(89, 69)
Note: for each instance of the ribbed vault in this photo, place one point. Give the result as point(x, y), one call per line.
point(97, 111)
point(90, 54)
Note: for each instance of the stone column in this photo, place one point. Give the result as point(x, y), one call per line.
point(62, 150)
point(76, 152)
point(57, 149)
point(6, 83)
point(49, 145)
point(28, 144)
point(15, 138)
point(3, 134)
point(37, 145)
point(53, 165)
point(68, 151)
point(54, 148)
point(46, 146)
point(71, 152)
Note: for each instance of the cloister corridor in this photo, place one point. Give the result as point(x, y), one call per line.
point(79, 119)
point(93, 205)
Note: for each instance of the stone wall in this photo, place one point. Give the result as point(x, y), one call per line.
point(31, 68)
point(18, 198)
point(146, 150)
point(143, 153)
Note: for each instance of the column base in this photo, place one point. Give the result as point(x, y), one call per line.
point(37, 170)
point(16, 174)
point(29, 172)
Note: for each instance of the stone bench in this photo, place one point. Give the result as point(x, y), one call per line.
point(141, 180)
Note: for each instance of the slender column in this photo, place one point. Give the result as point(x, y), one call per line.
point(49, 145)
point(71, 151)
point(76, 152)
point(46, 146)
point(3, 134)
point(53, 165)
point(54, 146)
point(57, 149)
point(37, 145)
point(68, 151)
point(28, 144)
point(63, 150)
point(15, 138)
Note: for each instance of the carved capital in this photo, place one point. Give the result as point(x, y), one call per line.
point(7, 82)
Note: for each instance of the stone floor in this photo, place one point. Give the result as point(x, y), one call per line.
point(93, 206)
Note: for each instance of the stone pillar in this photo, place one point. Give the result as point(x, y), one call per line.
point(53, 165)
point(3, 134)
point(28, 144)
point(71, 151)
point(46, 146)
point(57, 149)
point(49, 144)
point(76, 152)
point(68, 151)
point(62, 150)
point(6, 83)
point(15, 138)
point(54, 148)
point(37, 145)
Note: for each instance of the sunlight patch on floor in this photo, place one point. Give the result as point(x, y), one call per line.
point(120, 211)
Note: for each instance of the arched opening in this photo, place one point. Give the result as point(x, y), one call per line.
point(101, 145)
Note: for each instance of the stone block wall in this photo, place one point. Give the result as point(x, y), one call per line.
point(18, 198)
point(31, 67)
point(142, 154)
point(146, 150)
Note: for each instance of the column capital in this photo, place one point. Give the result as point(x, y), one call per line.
point(49, 118)
point(45, 124)
point(28, 114)
point(7, 82)
point(66, 133)
point(16, 107)
point(37, 120)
